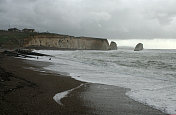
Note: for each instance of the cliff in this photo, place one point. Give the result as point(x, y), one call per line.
point(66, 42)
point(51, 41)
point(12, 40)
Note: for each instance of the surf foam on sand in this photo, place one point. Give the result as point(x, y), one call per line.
point(61, 95)
point(149, 74)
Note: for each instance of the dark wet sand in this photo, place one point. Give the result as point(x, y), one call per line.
point(111, 100)
point(24, 91)
point(30, 92)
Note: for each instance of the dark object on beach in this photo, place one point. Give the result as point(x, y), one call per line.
point(113, 46)
point(25, 53)
point(15, 54)
point(49, 58)
point(139, 47)
point(10, 53)
point(29, 52)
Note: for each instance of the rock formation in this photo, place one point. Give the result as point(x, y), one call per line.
point(35, 40)
point(65, 42)
point(138, 47)
point(113, 46)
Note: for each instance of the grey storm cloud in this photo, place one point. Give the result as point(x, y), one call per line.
point(118, 19)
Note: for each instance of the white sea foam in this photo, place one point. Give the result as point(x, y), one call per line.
point(149, 74)
point(61, 95)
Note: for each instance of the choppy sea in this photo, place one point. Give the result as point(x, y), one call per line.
point(150, 74)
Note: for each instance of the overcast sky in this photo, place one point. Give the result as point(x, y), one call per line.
point(117, 19)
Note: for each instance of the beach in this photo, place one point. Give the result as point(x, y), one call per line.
point(28, 89)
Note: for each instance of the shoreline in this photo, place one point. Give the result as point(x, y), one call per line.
point(38, 98)
point(28, 91)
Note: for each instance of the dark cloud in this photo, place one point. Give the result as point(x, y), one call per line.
point(120, 19)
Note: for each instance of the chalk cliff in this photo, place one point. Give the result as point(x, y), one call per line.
point(37, 40)
point(56, 41)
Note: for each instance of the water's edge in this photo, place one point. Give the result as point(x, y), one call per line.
point(152, 88)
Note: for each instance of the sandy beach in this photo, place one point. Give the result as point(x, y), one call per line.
point(26, 91)
point(30, 92)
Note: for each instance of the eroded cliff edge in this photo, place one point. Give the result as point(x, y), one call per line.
point(66, 42)
point(36, 40)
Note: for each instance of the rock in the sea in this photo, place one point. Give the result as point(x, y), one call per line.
point(113, 46)
point(139, 47)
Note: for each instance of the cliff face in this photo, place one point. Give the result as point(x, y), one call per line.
point(67, 42)
point(36, 40)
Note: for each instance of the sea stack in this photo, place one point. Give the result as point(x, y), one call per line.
point(113, 46)
point(138, 47)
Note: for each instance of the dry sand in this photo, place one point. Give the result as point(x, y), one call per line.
point(25, 91)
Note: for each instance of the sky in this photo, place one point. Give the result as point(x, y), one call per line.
point(118, 20)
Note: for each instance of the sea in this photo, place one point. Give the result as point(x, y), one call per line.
point(150, 74)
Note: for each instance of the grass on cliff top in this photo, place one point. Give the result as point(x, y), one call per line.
point(8, 36)
point(17, 39)
point(13, 39)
